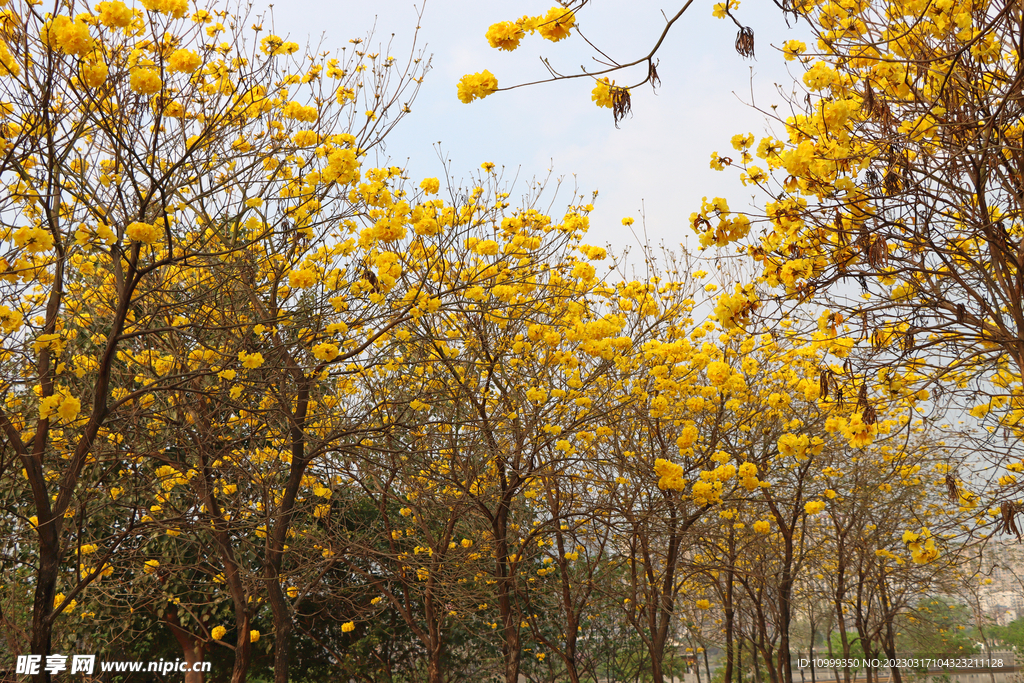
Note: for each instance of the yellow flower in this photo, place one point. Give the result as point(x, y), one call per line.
point(94, 73)
point(218, 632)
point(250, 360)
point(146, 81)
point(69, 408)
point(703, 604)
point(33, 240)
point(151, 566)
point(431, 185)
point(325, 351)
point(477, 86)
point(142, 232)
point(791, 49)
point(67, 35)
point(537, 395)
point(505, 35)
point(557, 24)
point(185, 61)
point(814, 507)
point(718, 372)
point(301, 278)
point(348, 627)
point(602, 97)
point(762, 527)
point(254, 635)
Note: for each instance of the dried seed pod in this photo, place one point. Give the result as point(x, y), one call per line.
point(893, 182)
point(952, 487)
point(878, 254)
point(745, 42)
point(868, 101)
point(621, 104)
point(1009, 512)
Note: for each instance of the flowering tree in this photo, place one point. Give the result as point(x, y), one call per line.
point(893, 207)
point(145, 152)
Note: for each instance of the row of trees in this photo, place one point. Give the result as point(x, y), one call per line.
point(299, 414)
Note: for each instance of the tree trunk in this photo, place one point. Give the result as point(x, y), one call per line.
point(831, 655)
point(46, 589)
point(511, 647)
point(727, 677)
point(191, 648)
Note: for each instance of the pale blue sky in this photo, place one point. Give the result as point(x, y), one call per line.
point(658, 158)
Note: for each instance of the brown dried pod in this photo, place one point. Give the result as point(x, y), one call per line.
point(952, 487)
point(862, 395)
point(1009, 512)
point(870, 417)
point(621, 104)
point(893, 182)
point(823, 383)
point(868, 101)
point(652, 75)
point(745, 42)
point(961, 313)
point(878, 254)
point(372, 279)
point(840, 229)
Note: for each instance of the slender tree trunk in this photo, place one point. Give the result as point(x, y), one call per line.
point(192, 649)
point(739, 660)
point(811, 653)
point(831, 655)
point(889, 641)
point(434, 645)
point(46, 589)
point(757, 669)
point(728, 608)
point(511, 648)
point(841, 619)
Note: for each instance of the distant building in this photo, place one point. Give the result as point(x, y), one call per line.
point(1001, 595)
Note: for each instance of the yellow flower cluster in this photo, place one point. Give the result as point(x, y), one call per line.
point(70, 36)
point(114, 14)
point(64, 408)
point(670, 475)
point(505, 35)
point(603, 93)
point(477, 86)
point(921, 546)
point(147, 233)
point(814, 507)
point(176, 8)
